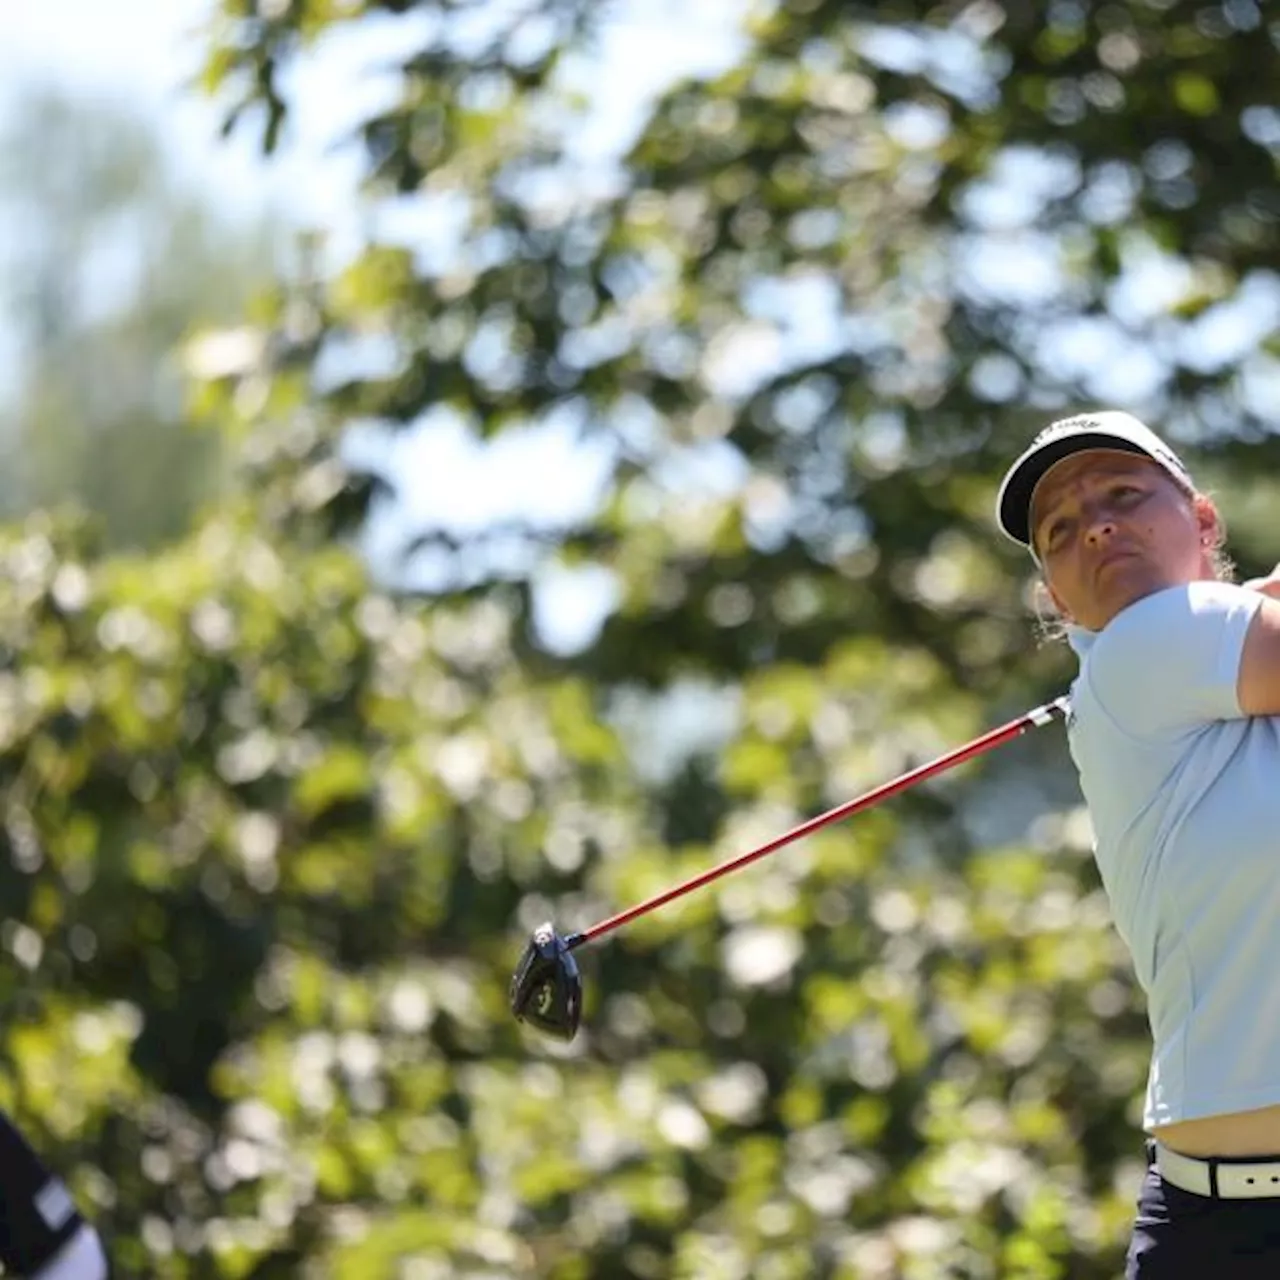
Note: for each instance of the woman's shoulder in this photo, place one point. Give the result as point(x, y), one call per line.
point(1186, 602)
point(1170, 661)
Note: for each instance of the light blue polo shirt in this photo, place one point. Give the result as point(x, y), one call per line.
point(1184, 794)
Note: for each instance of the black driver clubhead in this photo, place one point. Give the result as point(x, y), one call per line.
point(546, 988)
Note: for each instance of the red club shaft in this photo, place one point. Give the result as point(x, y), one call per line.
point(1034, 719)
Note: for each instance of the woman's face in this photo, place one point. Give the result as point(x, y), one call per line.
point(1111, 527)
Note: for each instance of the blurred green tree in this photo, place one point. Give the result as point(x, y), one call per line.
point(847, 275)
point(112, 260)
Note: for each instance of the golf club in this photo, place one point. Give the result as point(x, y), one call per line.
point(546, 988)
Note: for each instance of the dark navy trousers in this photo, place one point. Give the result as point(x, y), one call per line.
point(1178, 1235)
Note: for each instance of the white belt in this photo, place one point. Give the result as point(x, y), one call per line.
point(1224, 1179)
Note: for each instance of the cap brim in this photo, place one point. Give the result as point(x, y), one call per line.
point(1019, 485)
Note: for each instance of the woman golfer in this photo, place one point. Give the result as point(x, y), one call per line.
point(1175, 731)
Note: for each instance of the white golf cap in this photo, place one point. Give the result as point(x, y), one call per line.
point(1106, 429)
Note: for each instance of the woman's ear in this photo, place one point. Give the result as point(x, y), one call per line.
point(1209, 522)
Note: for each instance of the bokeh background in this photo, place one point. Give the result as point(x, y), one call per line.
point(469, 462)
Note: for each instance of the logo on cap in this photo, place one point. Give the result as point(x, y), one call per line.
point(1067, 426)
point(1137, 434)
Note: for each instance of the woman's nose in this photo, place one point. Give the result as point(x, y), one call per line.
point(1100, 529)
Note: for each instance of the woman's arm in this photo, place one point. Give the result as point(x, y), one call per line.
point(1258, 684)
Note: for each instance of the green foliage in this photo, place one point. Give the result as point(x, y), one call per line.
point(114, 263)
point(276, 830)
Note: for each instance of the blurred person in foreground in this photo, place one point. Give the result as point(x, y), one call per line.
point(1175, 731)
point(42, 1236)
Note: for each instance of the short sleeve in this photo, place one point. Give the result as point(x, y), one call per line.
point(1171, 661)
